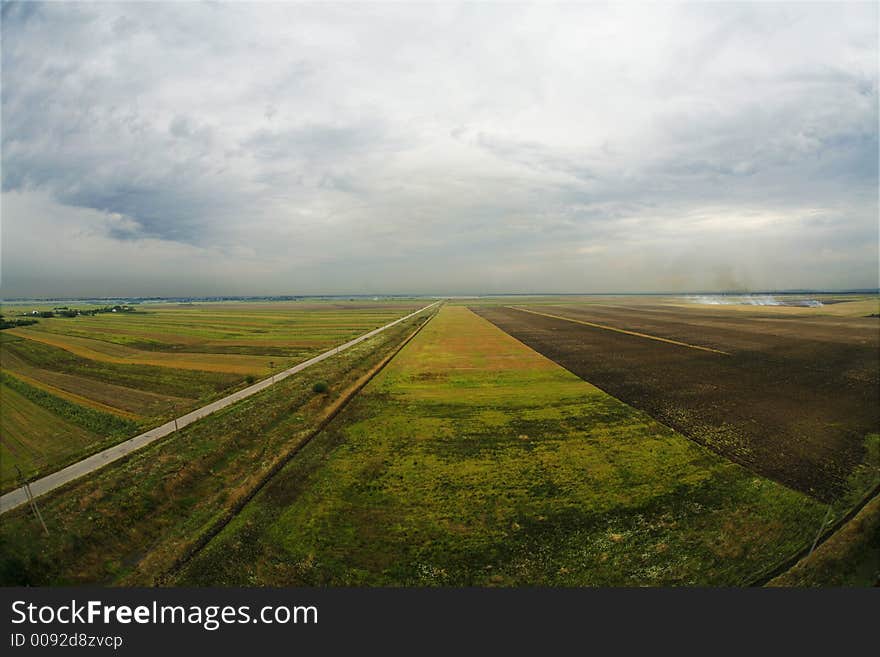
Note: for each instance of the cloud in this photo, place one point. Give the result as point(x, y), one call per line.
point(439, 148)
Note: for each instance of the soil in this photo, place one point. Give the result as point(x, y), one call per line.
point(793, 398)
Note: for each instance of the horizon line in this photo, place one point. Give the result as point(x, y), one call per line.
point(208, 297)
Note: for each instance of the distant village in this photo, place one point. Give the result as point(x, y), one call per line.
point(28, 318)
point(65, 311)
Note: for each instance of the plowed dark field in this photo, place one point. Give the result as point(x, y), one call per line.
point(793, 398)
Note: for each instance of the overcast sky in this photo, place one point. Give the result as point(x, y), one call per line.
point(201, 149)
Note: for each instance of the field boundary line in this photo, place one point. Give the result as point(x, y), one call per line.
point(72, 396)
point(50, 482)
point(791, 561)
point(220, 524)
point(620, 330)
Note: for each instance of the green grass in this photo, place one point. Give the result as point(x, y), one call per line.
point(190, 351)
point(105, 424)
point(163, 380)
point(472, 460)
point(40, 431)
point(864, 478)
point(33, 437)
point(280, 329)
point(850, 557)
point(128, 522)
point(159, 362)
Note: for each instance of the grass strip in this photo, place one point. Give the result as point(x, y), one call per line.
point(105, 424)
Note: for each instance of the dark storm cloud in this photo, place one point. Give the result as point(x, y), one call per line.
point(395, 148)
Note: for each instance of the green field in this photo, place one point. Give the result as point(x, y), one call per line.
point(130, 521)
point(33, 435)
point(472, 460)
point(851, 557)
point(135, 370)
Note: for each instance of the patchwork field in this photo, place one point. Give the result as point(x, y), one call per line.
point(130, 522)
point(146, 366)
point(592, 441)
point(790, 393)
point(473, 460)
point(32, 433)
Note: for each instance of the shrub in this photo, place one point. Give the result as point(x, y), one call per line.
point(320, 387)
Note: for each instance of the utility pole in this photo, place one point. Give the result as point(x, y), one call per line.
point(821, 529)
point(31, 500)
point(173, 416)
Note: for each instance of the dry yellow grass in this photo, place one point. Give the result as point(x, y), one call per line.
point(115, 353)
point(76, 399)
point(123, 401)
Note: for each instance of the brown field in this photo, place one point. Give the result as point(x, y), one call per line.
point(114, 353)
point(121, 400)
point(794, 398)
point(471, 460)
point(75, 398)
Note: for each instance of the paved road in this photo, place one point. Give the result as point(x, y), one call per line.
point(76, 470)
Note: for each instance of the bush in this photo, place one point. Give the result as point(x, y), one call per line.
point(249, 379)
point(320, 387)
point(12, 323)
